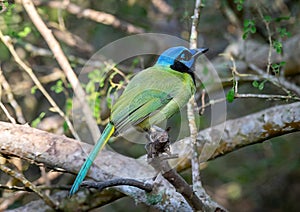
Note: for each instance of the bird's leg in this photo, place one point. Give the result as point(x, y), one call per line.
point(158, 144)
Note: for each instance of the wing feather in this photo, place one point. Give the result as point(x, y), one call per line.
point(150, 91)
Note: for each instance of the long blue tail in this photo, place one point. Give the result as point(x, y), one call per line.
point(108, 131)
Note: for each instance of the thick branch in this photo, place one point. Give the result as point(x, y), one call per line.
point(90, 200)
point(244, 131)
point(181, 186)
point(61, 152)
point(259, 127)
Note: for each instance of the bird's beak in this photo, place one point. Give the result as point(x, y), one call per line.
point(197, 52)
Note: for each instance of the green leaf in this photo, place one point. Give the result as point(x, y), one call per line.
point(90, 87)
point(93, 74)
point(239, 7)
point(239, 4)
point(275, 66)
point(277, 45)
point(247, 22)
point(245, 35)
point(282, 63)
point(253, 29)
point(267, 18)
point(65, 126)
point(255, 84)
point(36, 121)
point(69, 105)
point(25, 32)
point(58, 87)
point(261, 86)
point(33, 89)
point(135, 61)
point(249, 27)
point(282, 18)
point(230, 95)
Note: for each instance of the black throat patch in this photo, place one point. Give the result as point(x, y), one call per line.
point(180, 67)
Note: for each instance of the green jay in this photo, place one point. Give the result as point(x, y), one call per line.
point(150, 97)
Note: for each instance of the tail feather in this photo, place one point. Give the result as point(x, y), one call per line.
point(108, 131)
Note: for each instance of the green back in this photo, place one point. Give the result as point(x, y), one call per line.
point(152, 96)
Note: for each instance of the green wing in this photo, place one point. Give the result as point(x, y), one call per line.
point(134, 107)
point(152, 95)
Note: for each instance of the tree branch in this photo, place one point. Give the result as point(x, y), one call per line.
point(244, 131)
point(281, 80)
point(11, 99)
point(7, 41)
point(64, 64)
point(157, 158)
point(179, 183)
point(62, 152)
point(117, 182)
point(90, 200)
point(97, 16)
point(191, 108)
point(29, 185)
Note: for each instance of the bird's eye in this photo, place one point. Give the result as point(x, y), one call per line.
point(185, 55)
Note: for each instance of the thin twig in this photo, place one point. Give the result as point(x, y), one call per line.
point(23, 190)
point(266, 96)
point(38, 51)
point(232, 17)
point(197, 185)
point(70, 39)
point(212, 102)
point(10, 118)
point(268, 77)
point(41, 187)
point(11, 99)
point(55, 75)
point(278, 81)
point(235, 73)
point(249, 77)
point(198, 190)
point(97, 16)
point(29, 185)
point(64, 64)
point(7, 41)
point(117, 182)
point(163, 7)
point(201, 111)
point(267, 24)
point(11, 199)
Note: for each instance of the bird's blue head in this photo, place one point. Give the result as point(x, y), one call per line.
point(180, 57)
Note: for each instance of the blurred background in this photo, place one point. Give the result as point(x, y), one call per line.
point(261, 177)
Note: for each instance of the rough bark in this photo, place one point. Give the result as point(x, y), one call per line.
point(62, 152)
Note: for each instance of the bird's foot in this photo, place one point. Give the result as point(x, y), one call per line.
point(158, 144)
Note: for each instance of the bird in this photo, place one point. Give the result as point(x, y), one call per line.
point(152, 96)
